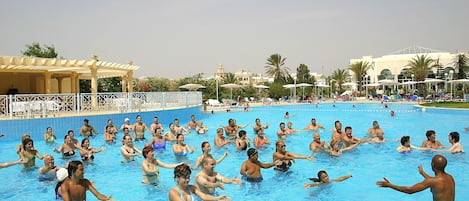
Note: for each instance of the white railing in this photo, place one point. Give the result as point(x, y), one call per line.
point(45, 105)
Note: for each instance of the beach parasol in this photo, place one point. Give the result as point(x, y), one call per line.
point(231, 86)
point(191, 87)
point(303, 85)
point(260, 87)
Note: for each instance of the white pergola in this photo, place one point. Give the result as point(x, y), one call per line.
point(47, 69)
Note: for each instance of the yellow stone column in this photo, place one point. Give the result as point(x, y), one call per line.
point(94, 82)
point(59, 84)
point(47, 78)
point(73, 82)
point(124, 83)
point(129, 81)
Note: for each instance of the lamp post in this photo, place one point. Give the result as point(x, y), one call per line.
point(451, 73)
point(446, 82)
point(216, 81)
point(294, 89)
point(413, 87)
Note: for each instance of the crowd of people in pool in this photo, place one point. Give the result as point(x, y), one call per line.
point(72, 185)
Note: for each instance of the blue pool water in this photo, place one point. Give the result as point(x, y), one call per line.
point(368, 163)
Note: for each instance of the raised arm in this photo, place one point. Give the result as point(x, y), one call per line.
point(202, 181)
point(96, 193)
point(207, 197)
point(166, 165)
point(222, 157)
point(342, 178)
point(149, 170)
point(422, 172)
point(299, 156)
point(405, 189)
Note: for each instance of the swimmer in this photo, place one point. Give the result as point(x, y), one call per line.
point(207, 179)
point(378, 139)
point(113, 128)
point(242, 142)
point(171, 134)
point(287, 115)
point(206, 148)
point(314, 126)
point(127, 125)
point(316, 144)
point(192, 123)
point(87, 129)
point(348, 139)
point(86, 152)
point(74, 188)
point(20, 147)
point(335, 150)
point(67, 149)
point(442, 185)
point(374, 130)
point(393, 114)
point(290, 130)
point(337, 135)
point(181, 149)
point(233, 128)
point(259, 126)
point(406, 146)
point(150, 165)
point(201, 129)
point(456, 147)
point(29, 154)
point(128, 150)
point(323, 178)
point(260, 140)
point(49, 136)
point(282, 132)
point(180, 129)
point(251, 168)
point(185, 191)
point(48, 171)
point(156, 125)
point(139, 128)
point(110, 134)
point(72, 137)
point(286, 157)
point(158, 142)
point(220, 140)
point(431, 141)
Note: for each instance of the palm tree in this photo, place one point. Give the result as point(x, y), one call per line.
point(340, 76)
point(360, 68)
point(420, 66)
point(230, 78)
point(303, 74)
point(276, 69)
point(461, 63)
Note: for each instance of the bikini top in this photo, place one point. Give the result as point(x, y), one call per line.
point(182, 195)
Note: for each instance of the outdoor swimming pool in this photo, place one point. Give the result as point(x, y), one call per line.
point(368, 163)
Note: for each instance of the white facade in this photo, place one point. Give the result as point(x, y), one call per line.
point(391, 66)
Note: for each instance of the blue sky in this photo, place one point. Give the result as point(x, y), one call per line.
point(182, 38)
